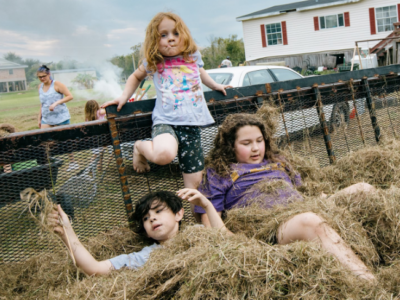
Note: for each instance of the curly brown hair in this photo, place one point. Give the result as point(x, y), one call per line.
point(150, 49)
point(222, 155)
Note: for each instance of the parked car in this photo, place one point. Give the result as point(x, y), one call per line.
point(296, 120)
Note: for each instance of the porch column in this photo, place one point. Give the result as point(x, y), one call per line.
point(25, 85)
point(8, 90)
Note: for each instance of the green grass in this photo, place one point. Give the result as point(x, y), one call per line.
point(21, 109)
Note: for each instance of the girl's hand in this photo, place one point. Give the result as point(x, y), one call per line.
point(40, 123)
point(194, 197)
point(222, 87)
point(53, 106)
point(53, 220)
point(120, 101)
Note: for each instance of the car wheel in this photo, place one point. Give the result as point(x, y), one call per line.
point(339, 117)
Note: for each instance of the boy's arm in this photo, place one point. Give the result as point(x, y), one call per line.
point(208, 81)
point(197, 198)
point(83, 258)
point(131, 85)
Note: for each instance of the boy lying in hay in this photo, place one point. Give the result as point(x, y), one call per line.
point(244, 166)
point(157, 215)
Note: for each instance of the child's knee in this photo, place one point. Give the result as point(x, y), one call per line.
point(310, 221)
point(164, 156)
point(365, 187)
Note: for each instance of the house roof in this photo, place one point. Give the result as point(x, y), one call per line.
point(5, 64)
point(295, 6)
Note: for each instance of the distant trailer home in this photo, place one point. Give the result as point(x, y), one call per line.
point(316, 32)
point(12, 76)
point(67, 77)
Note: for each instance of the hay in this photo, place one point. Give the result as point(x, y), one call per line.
point(206, 264)
point(379, 215)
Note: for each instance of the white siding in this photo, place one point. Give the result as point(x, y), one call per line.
point(302, 38)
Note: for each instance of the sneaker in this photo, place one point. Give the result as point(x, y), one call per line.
point(72, 166)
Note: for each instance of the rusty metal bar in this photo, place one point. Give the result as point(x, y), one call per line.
point(356, 111)
point(120, 164)
point(371, 109)
point(324, 125)
point(283, 118)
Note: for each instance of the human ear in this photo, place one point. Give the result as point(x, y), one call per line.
point(179, 215)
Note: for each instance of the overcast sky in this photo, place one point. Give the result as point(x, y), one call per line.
point(51, 30)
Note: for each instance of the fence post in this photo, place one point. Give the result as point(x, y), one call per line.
point(120, 164)
point(324, 125)
point(371, 109)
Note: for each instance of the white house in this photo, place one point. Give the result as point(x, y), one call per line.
point(316, 32)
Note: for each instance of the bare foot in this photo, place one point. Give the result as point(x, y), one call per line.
point(140, 163)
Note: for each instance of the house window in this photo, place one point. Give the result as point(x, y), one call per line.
point(11, 71)
point(385, 17)
point(331, 21)
point(274, 34)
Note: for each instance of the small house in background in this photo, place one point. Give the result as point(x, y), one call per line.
point(68, 77)
point(12, 76)
point(318, 32)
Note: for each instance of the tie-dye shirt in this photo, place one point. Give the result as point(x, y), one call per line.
point(180, 98)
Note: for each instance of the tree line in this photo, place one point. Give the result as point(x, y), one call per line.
point(212, 55)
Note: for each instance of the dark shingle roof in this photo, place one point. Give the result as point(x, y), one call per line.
point(293, 6)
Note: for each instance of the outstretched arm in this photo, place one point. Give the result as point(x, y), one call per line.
point(83, 258)
point(131, 85)
point(208, 81)
point(197, 198)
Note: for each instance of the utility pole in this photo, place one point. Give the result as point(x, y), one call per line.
point(133, 61)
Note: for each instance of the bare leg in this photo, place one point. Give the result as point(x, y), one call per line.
point(310, 227)
point(353, 189)
point(192, 181)
point(356, 188)
point(161, 151)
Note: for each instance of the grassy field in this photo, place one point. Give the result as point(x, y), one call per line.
point(21, 108)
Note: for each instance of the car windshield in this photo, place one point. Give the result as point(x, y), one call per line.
point(285, 74)
point(221, 78)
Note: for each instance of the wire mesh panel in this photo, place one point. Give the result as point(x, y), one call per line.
point(87, 168)
point(79, 174)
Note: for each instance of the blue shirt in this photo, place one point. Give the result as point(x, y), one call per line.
point(60, 113)
point(133, 260)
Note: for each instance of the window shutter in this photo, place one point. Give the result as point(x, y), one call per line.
point(263, 39)
point(398, 12)
point(372, 20)
point(316, 24)
point(284, 33)
point(347, 19)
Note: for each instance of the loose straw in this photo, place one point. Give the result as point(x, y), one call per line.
point(40, 202)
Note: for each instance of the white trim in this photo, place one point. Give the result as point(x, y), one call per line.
point(336, 3)
point(327, 5)
point(276, 13)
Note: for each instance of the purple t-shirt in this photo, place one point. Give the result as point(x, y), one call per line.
point(227, 192)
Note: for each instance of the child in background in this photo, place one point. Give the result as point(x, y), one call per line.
point(173, 59)
point(244, 155)
point(158, 216)
point(93, 111)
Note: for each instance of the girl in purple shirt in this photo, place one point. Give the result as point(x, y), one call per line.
point(244, 154)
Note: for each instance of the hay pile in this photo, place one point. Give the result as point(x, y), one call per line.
point(202, 263)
